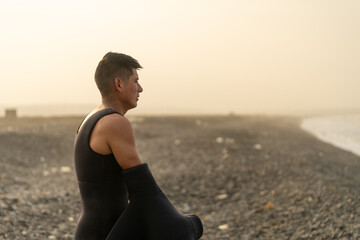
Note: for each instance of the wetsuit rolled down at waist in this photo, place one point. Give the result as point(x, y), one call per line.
point(150, 215)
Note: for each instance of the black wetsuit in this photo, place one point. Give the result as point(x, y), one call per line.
point(103, 192)
point(104, 189)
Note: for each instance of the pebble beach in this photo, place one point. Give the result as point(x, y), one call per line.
point(245, 176)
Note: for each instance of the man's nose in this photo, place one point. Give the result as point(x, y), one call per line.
point(140, 88)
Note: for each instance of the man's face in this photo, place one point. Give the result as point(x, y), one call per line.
point(132, 90)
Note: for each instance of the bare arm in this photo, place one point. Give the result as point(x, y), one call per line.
point(119, 136)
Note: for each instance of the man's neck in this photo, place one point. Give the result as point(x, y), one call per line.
point(117, 106)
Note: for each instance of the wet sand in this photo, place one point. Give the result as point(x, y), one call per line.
point(247, 177)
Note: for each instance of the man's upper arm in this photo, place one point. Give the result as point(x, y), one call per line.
point(119, 136)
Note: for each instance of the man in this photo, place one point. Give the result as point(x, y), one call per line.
point(105, 145)
point(110, 172)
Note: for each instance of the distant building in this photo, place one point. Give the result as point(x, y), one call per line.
point(10, 113)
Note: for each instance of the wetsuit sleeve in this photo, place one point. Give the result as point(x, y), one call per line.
point(150, 215)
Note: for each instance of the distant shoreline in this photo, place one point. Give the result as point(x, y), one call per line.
point(52, 110)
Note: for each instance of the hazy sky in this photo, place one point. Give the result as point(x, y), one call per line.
point(198, 56)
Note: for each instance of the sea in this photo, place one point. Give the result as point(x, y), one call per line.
point(342, 131)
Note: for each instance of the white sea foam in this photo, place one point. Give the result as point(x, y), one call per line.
point(342, 131)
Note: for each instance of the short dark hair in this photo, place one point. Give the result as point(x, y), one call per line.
point(114, 65)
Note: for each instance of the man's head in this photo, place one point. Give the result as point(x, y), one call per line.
point(112, 66)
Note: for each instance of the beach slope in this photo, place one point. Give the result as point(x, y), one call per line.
point(247, 177)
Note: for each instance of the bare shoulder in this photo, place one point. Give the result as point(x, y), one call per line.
point(116, 125)
point(115, 120)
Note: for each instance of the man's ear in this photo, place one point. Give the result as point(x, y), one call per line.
point(119, 84)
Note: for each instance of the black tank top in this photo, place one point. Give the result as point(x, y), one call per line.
point(103, 192)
